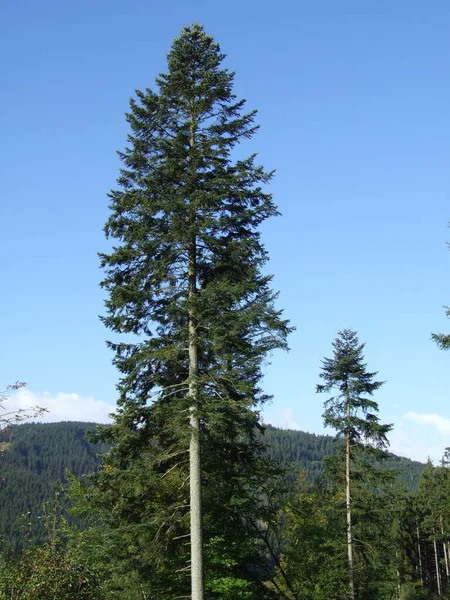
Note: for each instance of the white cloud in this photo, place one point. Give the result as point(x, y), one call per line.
point(420, 436)
point(60, 406)
point(284, 420)
point(417, 436)
point(442, 424)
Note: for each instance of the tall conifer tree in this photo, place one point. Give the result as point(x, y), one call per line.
point(186, 279)
point(353, 414)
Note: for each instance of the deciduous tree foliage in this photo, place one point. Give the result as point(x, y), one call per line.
point(13, 417)
point(59, 569)
point(185, 278)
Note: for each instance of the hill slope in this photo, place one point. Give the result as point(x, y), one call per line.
point(307, 450)
point(37, 459)
point(40, 454)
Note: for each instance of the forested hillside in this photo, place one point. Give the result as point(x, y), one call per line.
point(39, 455)
point(36, 459)
point(306, 451)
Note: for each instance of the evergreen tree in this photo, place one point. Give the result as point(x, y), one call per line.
point(433, 524)
point(353, 414)
point(186, 279)
point(443, 339)
point(313, 564)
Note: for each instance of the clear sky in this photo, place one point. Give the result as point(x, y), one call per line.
point(353, 100)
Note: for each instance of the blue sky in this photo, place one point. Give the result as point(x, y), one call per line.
point(353, 100)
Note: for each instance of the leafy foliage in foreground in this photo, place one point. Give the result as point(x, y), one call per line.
point(58, 569)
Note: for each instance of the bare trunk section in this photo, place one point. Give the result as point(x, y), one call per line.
point(444, 546)
point(447, 545)
point(446, 561)
point(436, 560)
point(197, 586)
point(195, 484)
point(197, 579)
point(349, 507)
point(419, 553)
point(399, 583)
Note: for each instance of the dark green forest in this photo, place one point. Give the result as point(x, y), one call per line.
point(34, 468)
point(39, 456)
point(300, 451)
point(42, 532)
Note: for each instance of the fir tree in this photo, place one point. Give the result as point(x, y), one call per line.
point(353, 414)
point(313, 558)
point(186, 279)
point(443, 339)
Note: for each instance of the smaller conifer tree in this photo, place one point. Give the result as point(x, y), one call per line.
point(353, 414)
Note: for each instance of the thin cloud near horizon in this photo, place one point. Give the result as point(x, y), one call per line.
point(417, 436)
point(61, 406)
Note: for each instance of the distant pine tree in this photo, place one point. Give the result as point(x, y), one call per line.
point(353, 414)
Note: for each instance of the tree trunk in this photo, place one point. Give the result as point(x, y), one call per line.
point(196, 525)
point(445, 561)
point(447, 545)
point(349, 507)
point(436, 560)
point(444, 545)
point(195, 484)
point(197, 586)
point(419, 553)
point(397, 572)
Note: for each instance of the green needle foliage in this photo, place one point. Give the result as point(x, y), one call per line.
point(443, 339)
point(353, 414)
point(185, 279)
point(314, 555)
